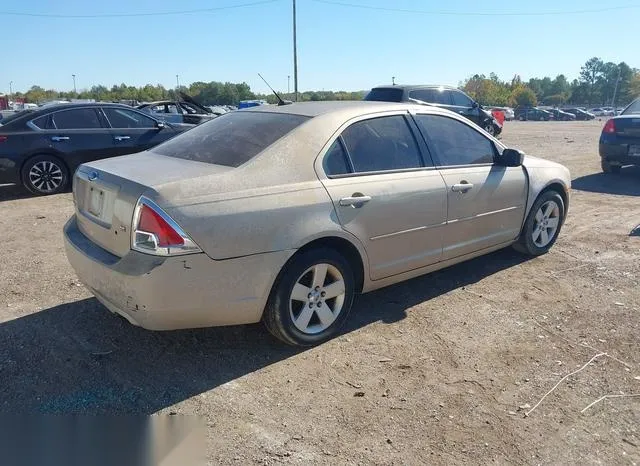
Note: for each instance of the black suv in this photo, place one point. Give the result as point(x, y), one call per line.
point(440, 96)
point(526, 113)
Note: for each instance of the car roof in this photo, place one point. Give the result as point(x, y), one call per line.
point(30, 114)
point(344, 107)
point(414, 86)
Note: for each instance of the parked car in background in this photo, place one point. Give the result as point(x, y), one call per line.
point(446, 97)
point(597, 111)
point(580, 114)
point(620, 140)
point(184, 111)
point(608, 111)
point(41, 148)
point(525, 113)
point(285, 213)
point(561, 115)
point(507, 111)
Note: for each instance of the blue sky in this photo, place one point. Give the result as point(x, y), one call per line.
point(339, 47)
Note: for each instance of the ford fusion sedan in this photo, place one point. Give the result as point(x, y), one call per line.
point(284, 213)
point(620, 140)
point(41, 148)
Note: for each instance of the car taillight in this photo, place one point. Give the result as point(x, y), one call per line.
point(3, 138)
point(609, 127)
point(154, 232)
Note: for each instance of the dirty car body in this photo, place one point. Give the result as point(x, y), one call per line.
point(284, 213)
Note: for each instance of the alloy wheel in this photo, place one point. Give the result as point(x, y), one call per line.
point(546, 224)
point(46, 176)
point(317, 298)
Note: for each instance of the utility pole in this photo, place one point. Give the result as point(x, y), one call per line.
point(295, 54)
point(74, 84)
point(177, 82)
point(393, 80)
point(615, 91)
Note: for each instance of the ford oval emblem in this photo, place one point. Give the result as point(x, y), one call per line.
point(93, 176)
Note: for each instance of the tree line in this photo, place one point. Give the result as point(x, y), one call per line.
point(595, 86)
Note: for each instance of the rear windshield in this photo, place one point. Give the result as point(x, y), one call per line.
point(231, 139)
point(384, 94)
point(633, 108)
point(14, 116)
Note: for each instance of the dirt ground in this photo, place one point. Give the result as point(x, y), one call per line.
point(438, 370)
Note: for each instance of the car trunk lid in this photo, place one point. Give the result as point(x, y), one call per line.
point(628, 125)
point(106, 193)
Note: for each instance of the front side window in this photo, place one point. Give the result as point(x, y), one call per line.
point(231, 139)
point(122, 118)
point(461, 100)
point(381, 144)
point(456, 143)
point(77, 118)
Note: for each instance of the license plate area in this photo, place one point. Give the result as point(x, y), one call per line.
point(634, 150)
point(96, 202)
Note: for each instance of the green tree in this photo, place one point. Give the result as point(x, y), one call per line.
point(590, 75)
point(523, 95)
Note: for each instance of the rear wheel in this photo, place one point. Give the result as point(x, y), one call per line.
point(311, 299)
point(543, 224)
point(607, 167)
point(45, 174)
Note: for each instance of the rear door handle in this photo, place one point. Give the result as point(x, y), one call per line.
point(355, 201)
point(60, 138)
point(121, 138)
point(461, 187)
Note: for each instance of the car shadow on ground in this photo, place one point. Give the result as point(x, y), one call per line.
point(626, 183)
point(79, 358)
point(11, 192)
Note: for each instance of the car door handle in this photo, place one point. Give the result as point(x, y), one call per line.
point(461, 187)
point(60, 138)
point(355, 201)
point(121, 138)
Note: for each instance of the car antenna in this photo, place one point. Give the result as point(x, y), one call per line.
point(280, 101)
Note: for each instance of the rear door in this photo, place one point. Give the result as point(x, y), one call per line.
point(132, 131)
point(77, 135)
point(386, 194)
point(486, 202)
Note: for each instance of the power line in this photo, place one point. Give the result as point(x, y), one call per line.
point(477, 13)
point(130, 15)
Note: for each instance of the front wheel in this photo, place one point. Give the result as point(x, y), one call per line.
point(543, 224)
point(45, 174)
point(311, 299)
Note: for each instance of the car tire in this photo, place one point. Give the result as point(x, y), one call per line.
point(299, 311)
point(44, 175)
point(488, 127)
point(543, 224)
point(609, 168)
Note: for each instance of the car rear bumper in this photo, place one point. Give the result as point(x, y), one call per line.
point(169, 293)
point(9, 170)
point(617, 153)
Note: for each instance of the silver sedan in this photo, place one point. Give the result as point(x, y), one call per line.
point(284, 213)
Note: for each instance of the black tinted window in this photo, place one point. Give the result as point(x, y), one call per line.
point(44, 122)
point(461, 99)
point(385, 94)
point(424, 95)
point(632, 109)
point(231, 139)
point(78, 118)
point(123, 118)
point(382, 144)
point(335, 161)
point(455, 142)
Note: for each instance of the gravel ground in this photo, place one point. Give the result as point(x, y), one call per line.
point(439, 369)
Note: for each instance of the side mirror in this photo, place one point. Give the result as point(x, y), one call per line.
point(510, 158)
point(160, 125)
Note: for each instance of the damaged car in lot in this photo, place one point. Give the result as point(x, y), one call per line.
point(184, 111)
point(284, 213)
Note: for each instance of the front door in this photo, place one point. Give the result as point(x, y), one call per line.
point(132, 131)
point(386, 194)
point(486, 202)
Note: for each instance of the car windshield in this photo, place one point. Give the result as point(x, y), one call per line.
point(385, 94)
point(633, 109)
point(231, 139)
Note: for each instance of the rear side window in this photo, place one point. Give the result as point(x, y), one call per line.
point(431, 96)
point(44, 122)
point(335, 161)
point(231, 139)
point(122, 118)
point(456, 143)
point(460, 99)
point(381, 144)
point(385, 94)
point(77, 118)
